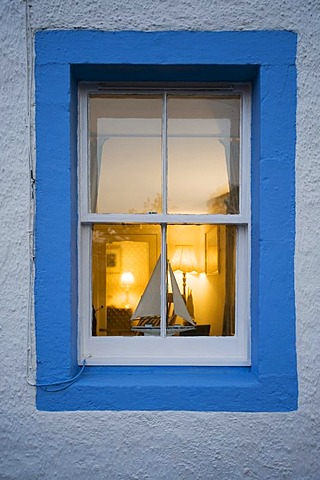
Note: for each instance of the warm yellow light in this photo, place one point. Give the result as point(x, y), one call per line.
point(127, 279)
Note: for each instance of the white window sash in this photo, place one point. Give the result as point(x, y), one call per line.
point(136, 350)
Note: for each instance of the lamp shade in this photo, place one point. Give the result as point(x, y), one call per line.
point(184, 259)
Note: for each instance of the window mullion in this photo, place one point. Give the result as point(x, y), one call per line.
point(163, 226)
point(164, 288)
point(164, 157)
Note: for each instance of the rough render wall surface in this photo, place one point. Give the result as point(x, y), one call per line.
point(153, 445)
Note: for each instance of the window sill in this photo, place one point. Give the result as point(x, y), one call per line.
point(174, 388)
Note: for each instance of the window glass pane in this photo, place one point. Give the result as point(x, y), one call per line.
point(200, 281)
point(203, 154)
point(203, 259)
point(125, 153)
point(123, 259)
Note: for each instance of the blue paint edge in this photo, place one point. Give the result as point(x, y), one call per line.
point(267, 60)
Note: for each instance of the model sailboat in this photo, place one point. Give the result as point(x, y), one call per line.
point(148, 311)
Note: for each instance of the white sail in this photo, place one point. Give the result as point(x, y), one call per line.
point(150, 302)
point(178, 302)
point(149, 305)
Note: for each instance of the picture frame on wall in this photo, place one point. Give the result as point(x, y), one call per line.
point(113, 258)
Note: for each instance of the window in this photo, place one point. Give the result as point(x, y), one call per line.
point(266, 61)
point(164, 225)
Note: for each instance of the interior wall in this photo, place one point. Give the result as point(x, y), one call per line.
point(152, 445)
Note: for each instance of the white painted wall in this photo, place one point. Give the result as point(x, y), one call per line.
point(129, 445)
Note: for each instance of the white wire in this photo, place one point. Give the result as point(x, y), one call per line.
point(31, 356)
point(59, 385)
point(31, 162)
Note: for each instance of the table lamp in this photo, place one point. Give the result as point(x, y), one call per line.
point(184, 259)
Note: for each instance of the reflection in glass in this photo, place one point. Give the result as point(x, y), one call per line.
point(200, 280)
point(125, 154)
point(203, 154)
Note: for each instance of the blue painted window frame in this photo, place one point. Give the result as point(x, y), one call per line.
point(266, 59)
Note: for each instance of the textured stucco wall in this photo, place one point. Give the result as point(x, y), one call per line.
point(139, 445)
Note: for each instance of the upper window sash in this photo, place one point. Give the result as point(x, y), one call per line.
point(242, 217)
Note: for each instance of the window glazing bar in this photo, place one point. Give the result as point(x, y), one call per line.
point(164, 288)
point(178, 219)
point(163, 225)
point(164, 157)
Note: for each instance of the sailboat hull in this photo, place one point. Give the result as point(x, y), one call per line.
point(155, 331)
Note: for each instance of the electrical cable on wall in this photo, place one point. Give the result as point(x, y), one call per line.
point(61, 385)
point(31, 163)
point(58, 385)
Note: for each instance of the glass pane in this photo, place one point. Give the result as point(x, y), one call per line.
point(125, 154)
point(123, 259)
point(126, 280)
point(203, 154)
point(203, 261)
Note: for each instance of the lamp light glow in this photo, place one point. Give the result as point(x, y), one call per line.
point(127, 279)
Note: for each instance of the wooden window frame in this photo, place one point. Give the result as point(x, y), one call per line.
point(215, 351)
